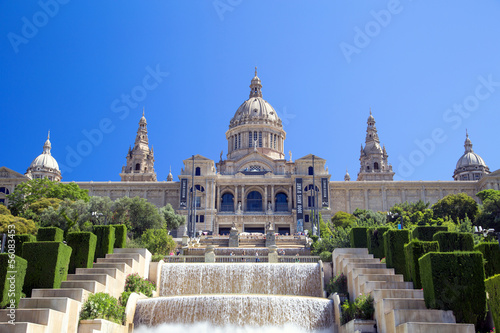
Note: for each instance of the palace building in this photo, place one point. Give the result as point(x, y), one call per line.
point(256, 184)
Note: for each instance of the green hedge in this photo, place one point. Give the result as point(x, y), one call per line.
point(83, 245)
point(50, 234)
point(493, 289)
point(120, 235)
point(454, 241)
point(47, 265)
point(358, 237)
point(426, 233)
point(10, 262)
point(455, 281)
point(105, 240)
point(20, 240)
point(491, 252)
point(375, 241)
point(394, 243)
point(413, 251)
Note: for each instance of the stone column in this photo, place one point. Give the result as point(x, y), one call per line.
point(384, 199)
point(235, 198)
point(243, 208)
point(367, 206)
point(218, 198)
point(210, 254)
point(290, 197)
point(273, 254)
point(265, 198)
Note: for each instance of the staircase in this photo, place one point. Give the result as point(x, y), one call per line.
point(57, 310)
point(398, 307)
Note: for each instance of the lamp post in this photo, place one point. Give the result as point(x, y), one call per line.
point(485, 232)
point(97, 215)
point(396, 215)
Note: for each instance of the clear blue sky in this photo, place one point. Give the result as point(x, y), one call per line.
point(423, 67)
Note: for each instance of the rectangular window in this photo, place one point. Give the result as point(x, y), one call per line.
point(235, 142)
point(306, 218)
point(197, 201)
point(274, 141)
point(202, 218)
point(260, 139)
point(239, 140)
point(250, 141)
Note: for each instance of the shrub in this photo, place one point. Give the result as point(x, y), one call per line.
point(11, 263)
point(120, 236)
point(358, 237)
point(493, 288)
point(105, 240)
point(158, 241)
point(362, 308)
point(375, 241)
point(19, 240)
point(413, 251)
point(50, 234)
point(102, 306)
point(454, 241)
point(83, 245)
point(455, 281)
point(426, 233)
point(491, 253)
point(325, 256)
point(47, 265)
point(124, 298)
point(134, 283)
point(337, 284)
point(394, 243)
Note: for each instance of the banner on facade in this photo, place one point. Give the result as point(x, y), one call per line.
point(184, 185)
point(300, 206)
point(324, 191)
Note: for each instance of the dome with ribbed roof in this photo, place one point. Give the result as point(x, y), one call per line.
point(470, 166)
point(45, 165)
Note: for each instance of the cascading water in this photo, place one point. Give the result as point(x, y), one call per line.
point(233, 296)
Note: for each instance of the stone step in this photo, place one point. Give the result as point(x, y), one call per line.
point(78, 294)
point(368, 286)
point(362, 278)
point(136, 256)
point(355, 260)
point(350, 266)
point(104, 279)
point(129, 261)
point(48, 317)
point(384, 306)
point(23, 327)
point(68, 306)
point(90, 285)
point(435, 328)
point(395, 318)
point(379, 294)
point(113, 272)
point(120, 266)
point(143, 252)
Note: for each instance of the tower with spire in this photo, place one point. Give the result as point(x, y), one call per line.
point(373, 158)
point(140, 159)
point(470, 166)
point(44, 166)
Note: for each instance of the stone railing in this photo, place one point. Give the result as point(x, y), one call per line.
point(241, 259)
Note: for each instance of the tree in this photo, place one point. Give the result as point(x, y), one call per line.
point(172, 220)
point(143, 215)
point(4, 210)
point(456, 207)
point(368, 218)
point(343, 219)
point(21, 225)
point(158, 241)
point(490, 214)
point(69, 216)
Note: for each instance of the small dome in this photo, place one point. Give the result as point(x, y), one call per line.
point(370, 118)
point(470, 159)
point(44, 161)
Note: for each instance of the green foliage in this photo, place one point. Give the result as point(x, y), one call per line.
point(325, 256)
point(426, 233)
point(413, 251)
point(325, 230)
point(50, 234)
point(394, 242)
point(172, 220)
point(19, 240)
point(493, 289)
point(22, 225)
point(158, 241)
point(362, 308)
point(69, 216)
point(47, 265)
point(343, 219)
point(491, 253)
point(11, 263)
point(456, 207)
point(124, 298)
point(40, 205)
point(490, 214)
point(339, 238)
point(120, 236)
point(4, 210)
point(83, 245)
point(368, 218)
point(134, 283)
point(375, 241)
point(105, 240)
point(454, 241)
point(455, 281)
point(337, 284)
point(358, 237)
point(102, 306)
point(139, 213)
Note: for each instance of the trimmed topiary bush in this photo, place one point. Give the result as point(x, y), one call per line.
point(394, 243)
point(47, 265)
point(454, 241)
point(413, 251)
point(50, 234)
point(455, 281)
point(19, 240)
point(358, 237)
point(11, 284)
point(426, 233)
point(375, 241)
point(326, 256)
point(491, 253)
point(105, 240)
point(83, 245)
point(493, 290)
point(120, 235)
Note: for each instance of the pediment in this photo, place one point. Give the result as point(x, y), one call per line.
point(198, 157)
point(309, 158)
point(8, 173)
point(255, 159)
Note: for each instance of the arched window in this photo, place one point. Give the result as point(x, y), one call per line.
point(199, 188)
point(4, 190)
point(311, 171)
point(281, 202)
point(367, 168)
point(227, 204)
point(197, 172)
point(254, 202)
point(138, 166)
point(375, 166)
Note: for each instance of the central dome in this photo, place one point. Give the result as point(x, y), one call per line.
point(255, 110)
